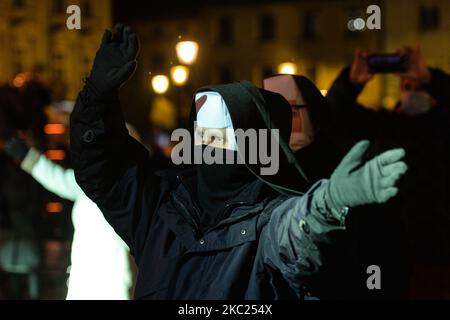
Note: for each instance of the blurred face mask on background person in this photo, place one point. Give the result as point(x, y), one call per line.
point(415, 103)
point(413, 100)
point(302, 134)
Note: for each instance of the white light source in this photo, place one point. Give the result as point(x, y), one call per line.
point(187, 52)
point(160, 84)
point(324, 92)
point(179, 75)
point(350, 25)
point(287, 68)
point(359, 24)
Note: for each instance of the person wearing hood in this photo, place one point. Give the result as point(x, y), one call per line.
point(216, 230)
point(418, 219)
point(310, 141)
point(316, 146)
point(100, 265)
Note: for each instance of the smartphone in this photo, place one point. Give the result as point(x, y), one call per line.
point(386, 63)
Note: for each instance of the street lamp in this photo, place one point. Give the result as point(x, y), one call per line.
point(287, 68)
point(160, 84)
point(179, 75)
point(187, 52)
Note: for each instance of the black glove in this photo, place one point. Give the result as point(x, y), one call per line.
point(115, 61)
point(17, 149)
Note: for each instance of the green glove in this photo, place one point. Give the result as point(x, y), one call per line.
point(355, 183)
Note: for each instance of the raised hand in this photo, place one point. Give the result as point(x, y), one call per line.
point(356, 183)
point(417, 67)
point(359, 72)
point(115, 61)
point(17, 149)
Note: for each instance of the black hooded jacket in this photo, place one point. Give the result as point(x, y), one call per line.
point(274, 246)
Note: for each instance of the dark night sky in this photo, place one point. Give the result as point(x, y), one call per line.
point(143, 9)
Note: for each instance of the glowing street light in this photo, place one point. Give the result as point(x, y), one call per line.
point(179, 75)
point(160, 84)
point(287, 68)
point(187, 52)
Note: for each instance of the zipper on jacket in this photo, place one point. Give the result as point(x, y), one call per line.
point(225, 209)
point(194, 205)
point(187, 217)
point(199, 232)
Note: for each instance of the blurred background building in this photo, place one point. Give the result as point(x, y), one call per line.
point(34, 38)
point(250, 39)
point(236, 39)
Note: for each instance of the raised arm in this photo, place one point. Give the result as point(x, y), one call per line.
point(110, 166)
point(435, 81)
point(439, 87)
point(358, 120)
point(50, 175)
point(303, 231)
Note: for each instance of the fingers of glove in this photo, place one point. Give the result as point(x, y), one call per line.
point(133, 47)
point(354, 156)
point(388, 182)
point(14, 143)
point(126, 71)
point(387, 194)
point(396, 168)
point(107, 37)
point(124, 41)
point(390, 156)
point(118, 31)
point(16, 148)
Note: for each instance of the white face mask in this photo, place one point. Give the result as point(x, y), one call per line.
point(214, 126)
point(415, 103)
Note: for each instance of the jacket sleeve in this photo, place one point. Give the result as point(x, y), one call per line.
point(300, 239)
point(359, 122)
point(439, 87)
point(110, 166)
point(51, 176)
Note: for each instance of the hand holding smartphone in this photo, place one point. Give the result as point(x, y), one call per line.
point(387, 63)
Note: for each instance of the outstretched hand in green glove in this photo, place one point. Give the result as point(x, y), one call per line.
point(355, 182)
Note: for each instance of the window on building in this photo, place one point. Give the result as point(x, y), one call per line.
point(184, 29)
point(311, 71)
point(17, 67)
point(157, 61)
point(58, 75)
point(87, 8)
point(17, 60)
point(59, 6)
point(267, 27)
point(18, 3)
point(86, 62)
point(225, 74)
point(157, 32)
point(268, 71)
point(429, 18)
point(226, 34)
point(310, 26)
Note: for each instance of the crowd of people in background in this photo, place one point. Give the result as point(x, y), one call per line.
point(409, 239)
